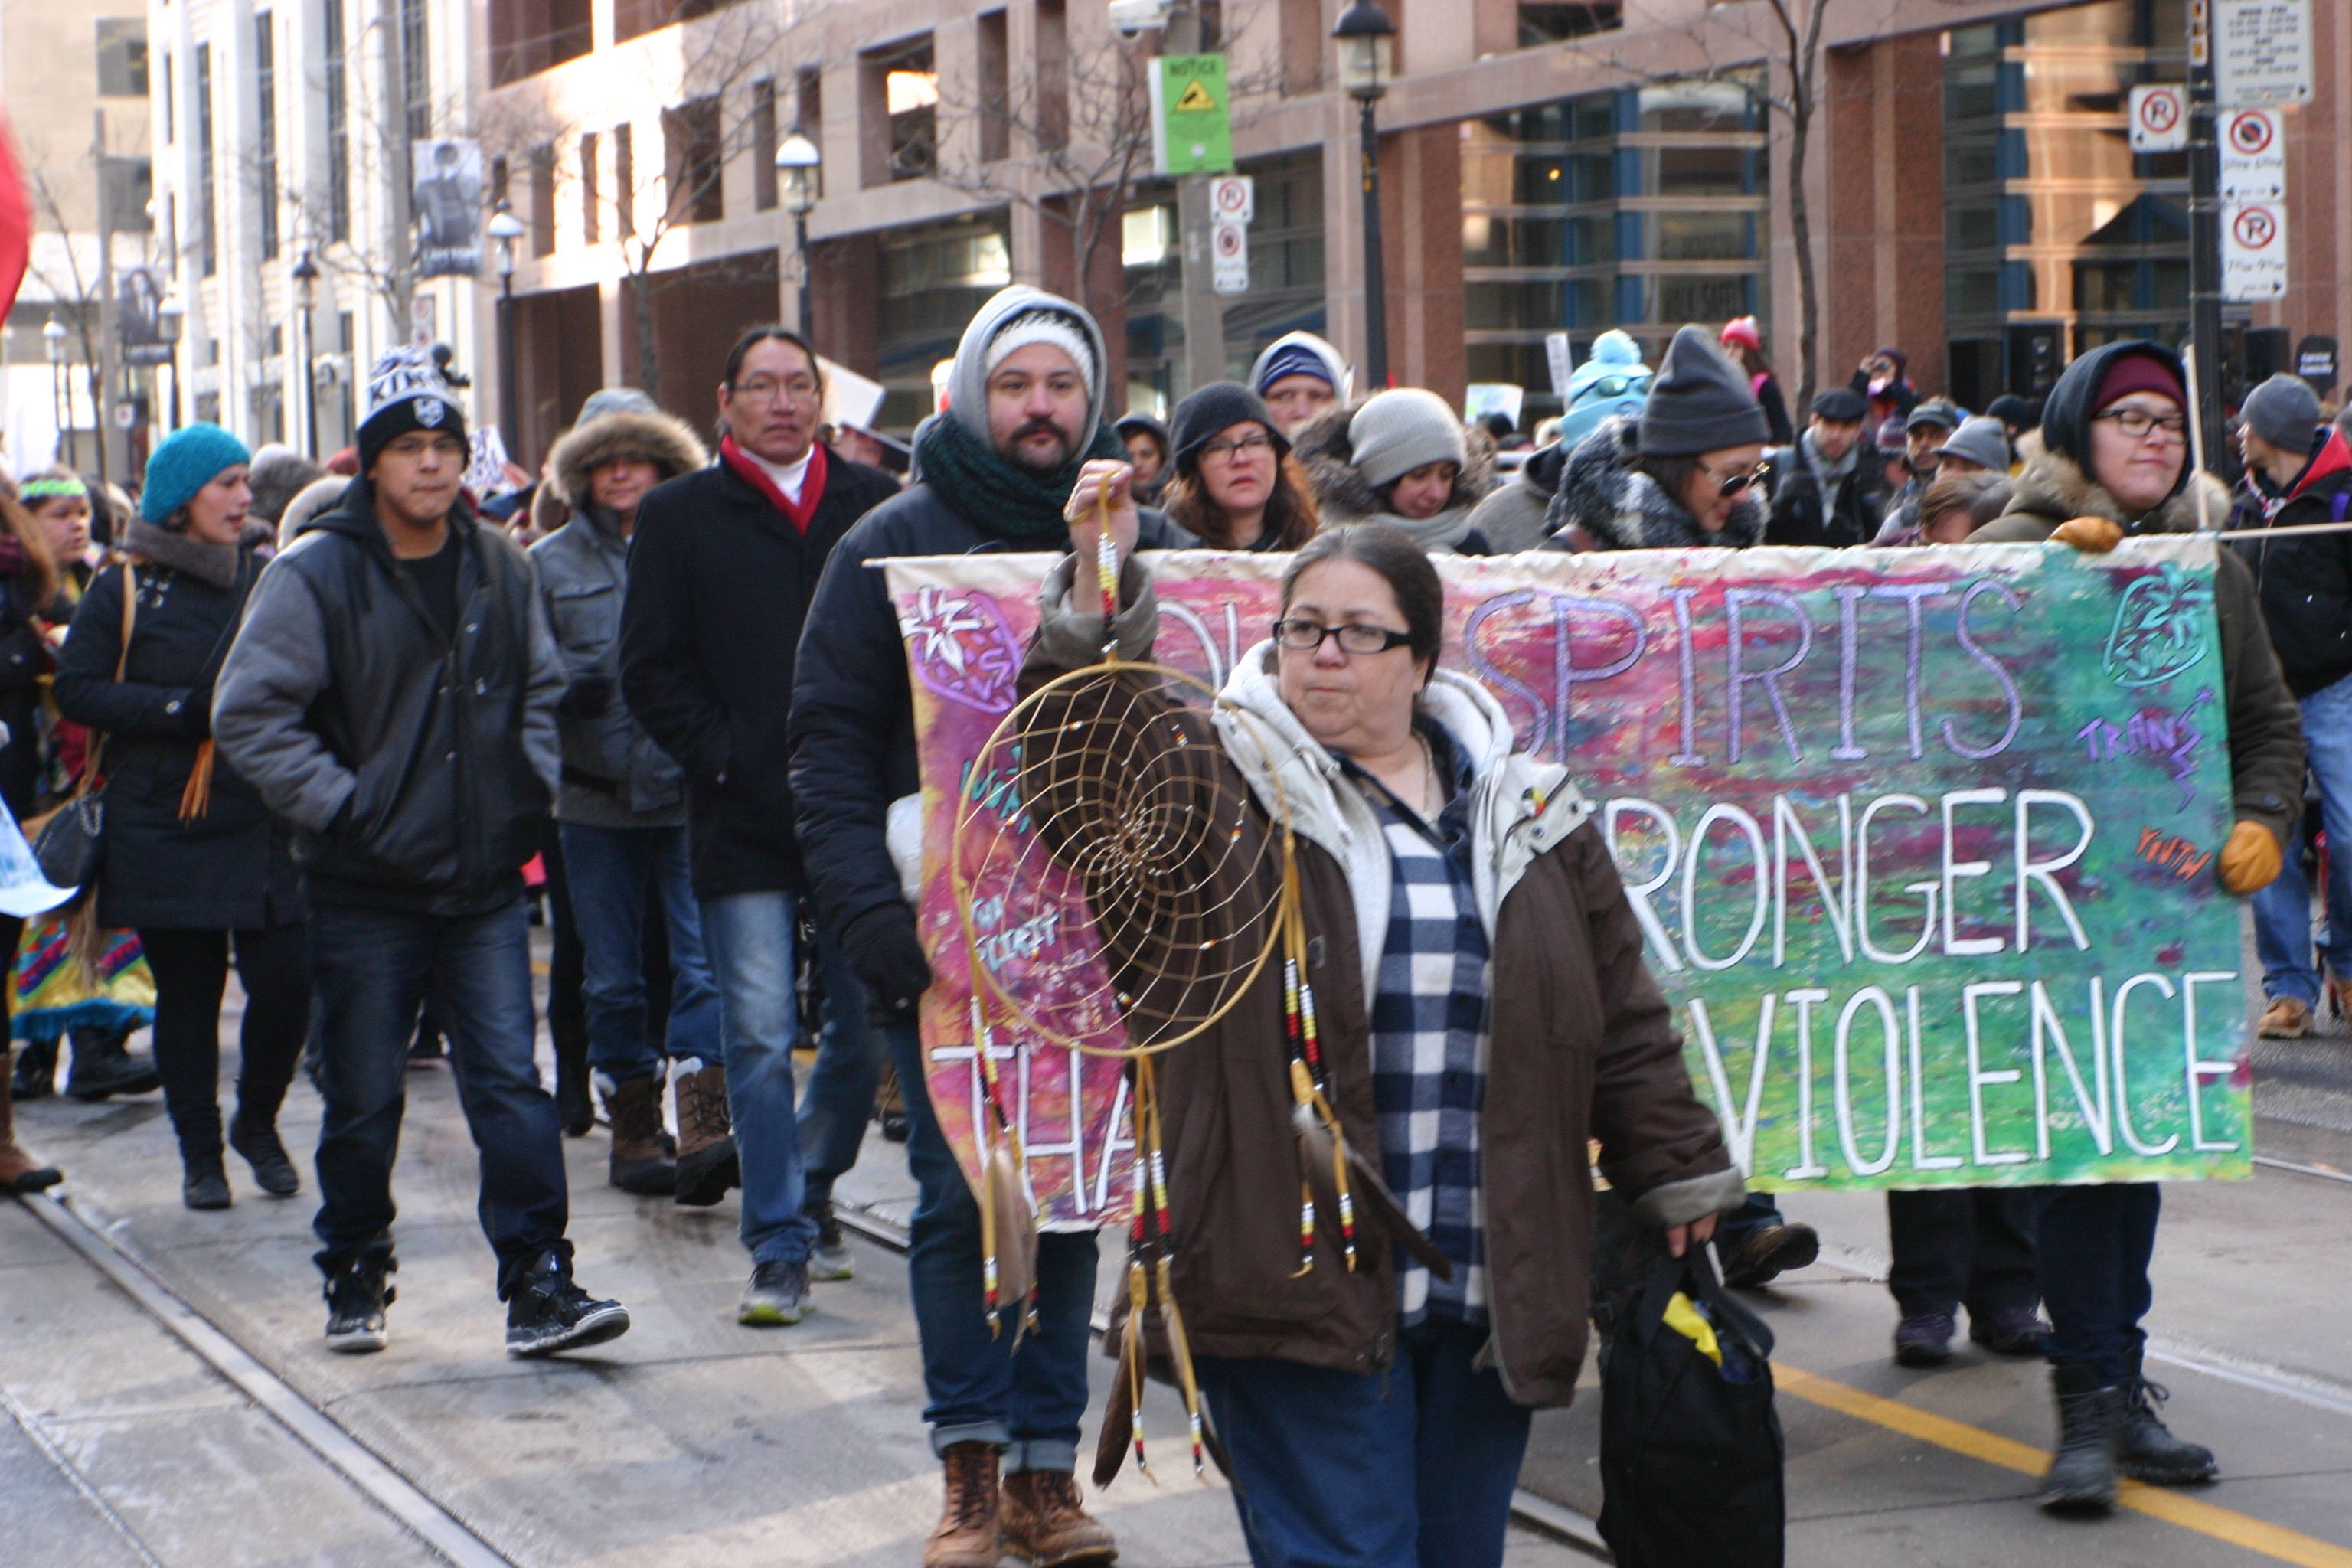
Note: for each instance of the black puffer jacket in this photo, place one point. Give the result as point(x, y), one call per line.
point(1604, 502)
point(231, 868)
point(2305, 581)
point(1852, 513)
point(852, 709)
point(416, 769)
point(719, 585)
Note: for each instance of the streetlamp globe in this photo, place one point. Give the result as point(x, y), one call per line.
point(53, 340)
point(506, 229)
point(797, 160)
point(305, 276)
point(170, 314)
point(1367, 41)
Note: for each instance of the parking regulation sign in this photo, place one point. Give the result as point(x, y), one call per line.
point(2159, 118)
point(1229, 258)
point(2253, 250)
point(2262, 52)
point(2253, 156)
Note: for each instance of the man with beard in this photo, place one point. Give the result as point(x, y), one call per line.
point(1024, 412)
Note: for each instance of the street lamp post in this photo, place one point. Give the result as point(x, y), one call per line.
point(506, 229)
point(53, 341)
point(306, 289)
point(797, 161)
point(169, 316)
point(1367, 41)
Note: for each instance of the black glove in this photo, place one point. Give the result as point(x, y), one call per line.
point(586, 696)
point(886, 951)
point(195, 712)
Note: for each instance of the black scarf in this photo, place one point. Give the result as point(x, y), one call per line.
point(213, 564)
point(998, 496)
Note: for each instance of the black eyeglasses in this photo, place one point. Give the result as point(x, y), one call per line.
point(2137, 423)
point(1735, 483)
point(1300, 636)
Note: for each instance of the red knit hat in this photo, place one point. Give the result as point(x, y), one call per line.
point(2137, 373)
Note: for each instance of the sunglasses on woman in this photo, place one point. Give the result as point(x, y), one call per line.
point(1735, 484)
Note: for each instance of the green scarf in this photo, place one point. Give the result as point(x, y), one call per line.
point(999, 497)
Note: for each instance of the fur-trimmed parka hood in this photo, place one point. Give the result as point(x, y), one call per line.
point(669, 443)
point(1618, 507)
point(2052, 488)
point(1340, 491)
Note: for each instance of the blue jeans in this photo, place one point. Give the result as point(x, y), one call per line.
point(1412, 1466)
point(372, 969)
point(2094, 1249)
point(1028, 1400)
point(2283, 936)
point(611, 872)
point(839, 1099)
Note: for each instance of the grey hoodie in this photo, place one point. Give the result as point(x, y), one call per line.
point(968, 381)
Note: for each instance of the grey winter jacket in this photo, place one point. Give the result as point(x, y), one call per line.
point(614, 774)
point(415, 768)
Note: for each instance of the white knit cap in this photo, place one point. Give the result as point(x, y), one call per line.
point(1041, 327)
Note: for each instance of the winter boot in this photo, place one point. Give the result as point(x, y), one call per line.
point(36, 1072)
point(640, 1165)
point(572, 1100)
point(1043, 1522)
point(706, 1165)
point(273, 1168)
point(2083, 1472)
point(204, 1181)
point(19, 1172)
point(966, 1535)
point(103, 1065)
point(2150, 1452)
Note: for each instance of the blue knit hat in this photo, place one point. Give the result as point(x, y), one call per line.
point(183, 463)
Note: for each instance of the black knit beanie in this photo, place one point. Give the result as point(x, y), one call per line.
point(1699, 402)
point(1199, 418)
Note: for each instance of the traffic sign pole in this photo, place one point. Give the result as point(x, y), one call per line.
point(2204, 226)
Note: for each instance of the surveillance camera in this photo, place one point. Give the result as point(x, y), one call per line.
point(1131, 18)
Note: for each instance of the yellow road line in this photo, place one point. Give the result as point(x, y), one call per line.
point(2173, 1508)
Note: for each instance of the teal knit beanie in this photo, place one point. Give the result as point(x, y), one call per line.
point(183, 463)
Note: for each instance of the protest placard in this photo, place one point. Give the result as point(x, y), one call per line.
point(1922, 841)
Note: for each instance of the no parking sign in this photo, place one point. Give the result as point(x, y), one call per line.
point(2253, 156)
point(2253, 250)
point(2159, 118)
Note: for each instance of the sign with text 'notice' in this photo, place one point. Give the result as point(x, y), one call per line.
point(1922, 842)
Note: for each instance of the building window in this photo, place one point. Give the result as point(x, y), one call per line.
point(531, 36)
point(934, 280)
point(339, 133)
point(902, 83)
point(122, 56)
point(693, 161)
point(207, 240)
point(763, 144)
point(543, 199)
point(265, 142)
point(1642, 209)
point(625, 182)
point(1546, 23)
point(2058, 236)
point(996, 104)
point(588, 194)
point(415, 70)
point(171, 109)
point(632, 18)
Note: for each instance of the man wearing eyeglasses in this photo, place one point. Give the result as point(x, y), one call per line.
point(721, 571)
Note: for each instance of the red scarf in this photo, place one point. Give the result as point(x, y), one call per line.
point(802, 512)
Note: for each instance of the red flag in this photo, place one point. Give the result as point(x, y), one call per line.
point(15, 220)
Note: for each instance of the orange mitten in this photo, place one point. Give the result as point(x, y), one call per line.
point(2091, 535)
point(2250, 858)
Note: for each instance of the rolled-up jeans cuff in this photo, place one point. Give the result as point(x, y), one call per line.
point(996, 1433)
point(1040, 1454)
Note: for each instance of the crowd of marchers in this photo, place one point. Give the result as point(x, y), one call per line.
point(353, 725)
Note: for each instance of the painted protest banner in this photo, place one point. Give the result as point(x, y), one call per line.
point(1921, 840)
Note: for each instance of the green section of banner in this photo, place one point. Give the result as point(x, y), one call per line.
point(1193, 119)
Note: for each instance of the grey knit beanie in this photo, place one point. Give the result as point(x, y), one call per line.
point(1699, 402)
point(1981, 440)
point(1403, 429)
point(2284, 411)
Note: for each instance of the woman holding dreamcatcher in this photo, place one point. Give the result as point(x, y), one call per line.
point(1461, 1003)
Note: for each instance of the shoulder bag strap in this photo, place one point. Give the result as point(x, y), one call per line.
point(97, 749)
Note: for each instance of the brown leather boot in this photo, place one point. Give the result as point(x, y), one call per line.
point(640, 1165)
point(1043, 1522)
point(966, 1535)
point(706, 1165)
point(19, 1171)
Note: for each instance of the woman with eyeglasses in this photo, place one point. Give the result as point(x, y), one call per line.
point(1234, 483)
point(1402, 458)
point(1687, 470)
point(1483, 1005)
point(2111, 459)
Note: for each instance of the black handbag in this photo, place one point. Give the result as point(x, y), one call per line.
point(69, 843)
point(1691, 1451)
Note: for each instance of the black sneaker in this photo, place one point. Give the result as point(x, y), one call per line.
point(356, 1298)
point(777, 1296)
point(548, 1313)
point(829, 1258)
point(1770, 1253)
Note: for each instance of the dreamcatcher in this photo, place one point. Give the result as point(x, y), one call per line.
point(1101, 797)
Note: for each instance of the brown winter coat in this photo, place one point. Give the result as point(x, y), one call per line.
point(1582, 1045)
point(2266, 751)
